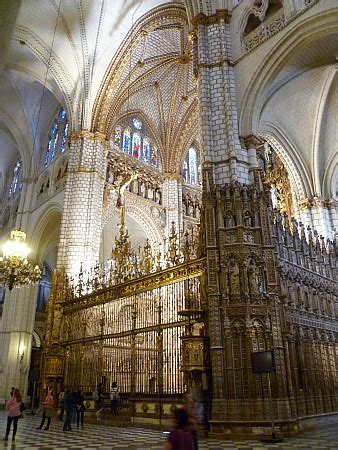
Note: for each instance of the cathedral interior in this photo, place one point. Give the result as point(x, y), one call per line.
point(173, 168)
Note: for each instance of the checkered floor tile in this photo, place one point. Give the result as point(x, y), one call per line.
point(103, 437)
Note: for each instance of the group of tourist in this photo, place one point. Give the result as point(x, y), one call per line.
point(71, 402)
point(182, 437)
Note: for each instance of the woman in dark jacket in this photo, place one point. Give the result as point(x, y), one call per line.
point(70, 404)
point(80, 408)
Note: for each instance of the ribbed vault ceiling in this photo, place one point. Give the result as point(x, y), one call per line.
point(152, 77)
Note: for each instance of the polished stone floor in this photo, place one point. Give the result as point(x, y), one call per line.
point(99, 436)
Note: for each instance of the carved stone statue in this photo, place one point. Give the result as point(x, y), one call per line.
point(197, 213)
point(234, 277)
point(57, 318)
point(253, 278)
point(190, 210)
point(142, 189)
point(229, 221)
point(247, 220)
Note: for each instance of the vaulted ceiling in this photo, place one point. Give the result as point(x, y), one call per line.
point(152, 77)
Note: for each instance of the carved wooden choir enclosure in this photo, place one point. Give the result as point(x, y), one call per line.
point(262, 284)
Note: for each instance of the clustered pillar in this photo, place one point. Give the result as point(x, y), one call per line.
point(82, 216)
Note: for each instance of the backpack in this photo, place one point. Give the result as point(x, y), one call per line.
point(22, 407)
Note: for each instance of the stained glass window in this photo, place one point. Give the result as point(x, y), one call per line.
point(153, 155)
point(146, 150)
point(126, 140)
point(57, 138)
point(64, 139)
point(130, 139)
point(54, 135)
point(16, 183)
point(192, 166)
point(191, 170)
point(136, 145)
point(137, 124)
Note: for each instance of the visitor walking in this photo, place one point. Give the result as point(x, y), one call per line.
point(70, 404)
point(61, 404)
point(114, 398)
point(48, 405)
point(190, 407)
point(180, 437)
point(14, 407)
point(80, 408)
point(97, 397)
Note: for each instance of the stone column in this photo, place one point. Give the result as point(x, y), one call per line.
point(18, 318)
point(172, 202)
point(251, 143)
point(83, 205)
point(221, 147)
point(320, 214)
point(17, 327)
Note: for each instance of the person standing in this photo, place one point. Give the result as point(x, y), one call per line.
point(97, 397)
point(14, 409)
point(61, 404)
point(190, 407)
point(70, 403)
point(180, 437)
point(114, 398)
point(48, 405)
point(80, 408)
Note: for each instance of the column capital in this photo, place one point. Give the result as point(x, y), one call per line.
point(251, 141)
point(317, 202)
point(202, 19)
point(192, 36)
point(173, 177)
point(86, 134)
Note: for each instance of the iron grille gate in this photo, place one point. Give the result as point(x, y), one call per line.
point(132, 332)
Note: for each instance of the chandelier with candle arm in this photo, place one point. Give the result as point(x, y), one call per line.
point(15, 269)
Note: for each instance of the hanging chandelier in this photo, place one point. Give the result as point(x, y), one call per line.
point(15, 269)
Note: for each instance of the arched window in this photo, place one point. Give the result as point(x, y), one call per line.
point(57, 139)
point(130, 139)
point(16, 183)
point(191, 170)
point(126, 140)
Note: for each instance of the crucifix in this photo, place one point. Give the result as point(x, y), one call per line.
point(121, 183)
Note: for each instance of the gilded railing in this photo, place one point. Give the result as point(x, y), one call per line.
point(132, 333)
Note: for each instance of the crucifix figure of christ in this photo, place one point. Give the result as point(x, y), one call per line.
point(120, 185)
